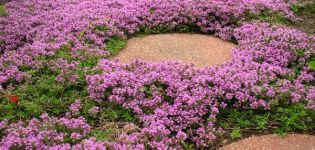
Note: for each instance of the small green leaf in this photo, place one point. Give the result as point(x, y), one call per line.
point(236, 133)
point(311, 65)
point(31, 72)
point(187, 146)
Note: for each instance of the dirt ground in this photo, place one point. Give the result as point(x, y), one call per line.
point(307, 24)
point(201, 50)
point(274, 142)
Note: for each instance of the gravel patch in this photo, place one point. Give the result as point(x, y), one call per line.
point(274, 142)
point(201, 50)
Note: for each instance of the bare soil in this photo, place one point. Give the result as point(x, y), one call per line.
point(274, 142)
point(201, 50)
point(307, 24)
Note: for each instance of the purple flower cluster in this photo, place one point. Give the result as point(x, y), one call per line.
point(35, 29)
point(94, 110)
point(174, 102)
point(75, 107)
point(45, 133)
point(178, 102)
point(66, 69)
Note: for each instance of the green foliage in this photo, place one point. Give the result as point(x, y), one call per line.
point(189, 28)
point(44, 94)
point(156, 30)
point(187, 146)
point(236, 133)
point(239, 119)
point(3, 12)
point(103, 135)
point(280, 118)
point(270, 17)
point(186, 28)
point(47, 95)
point(294, 118)
point(261, 120)
point(115, 44)
point(303, 8)
point(311, 61)
point(296, 8)
point(1, 133)
point(64, 52)
point(115, 112)
point(103, 29)
point(311, 65)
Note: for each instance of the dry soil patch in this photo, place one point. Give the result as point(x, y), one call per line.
point(274, 142)
point(201, 50)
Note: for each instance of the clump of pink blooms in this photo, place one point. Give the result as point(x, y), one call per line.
point(178, 102)
point(174, 102)
point(52, 133)
point(94, 110)
point(45, 133)
point(35, 29)
point(75, 107)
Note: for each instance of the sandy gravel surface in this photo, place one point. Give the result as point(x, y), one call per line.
point(274, 142)
point(202, 50)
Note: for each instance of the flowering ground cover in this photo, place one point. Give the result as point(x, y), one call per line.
point(59, 89)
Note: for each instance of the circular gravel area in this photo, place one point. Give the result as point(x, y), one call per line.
point(274, 142)
point(201, 50)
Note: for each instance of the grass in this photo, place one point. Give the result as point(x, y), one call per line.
point(3, 12)
point(279, 119)
point(115, 44)
point(271, 18)
point(44, 94)
point(304, 8)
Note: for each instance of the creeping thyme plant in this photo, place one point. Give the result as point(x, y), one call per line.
point(58, 86)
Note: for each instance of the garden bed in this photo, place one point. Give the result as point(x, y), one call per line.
point(60, 90)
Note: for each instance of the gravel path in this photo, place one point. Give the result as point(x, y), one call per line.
point(202, 50)
point(274, 142)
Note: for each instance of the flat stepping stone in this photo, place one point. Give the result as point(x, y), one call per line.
point(274, 142)
point(201, 50)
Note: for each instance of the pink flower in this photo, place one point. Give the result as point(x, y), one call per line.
point(75, 107)
point(75, 136)
point(181, 135)
point(94, 110)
